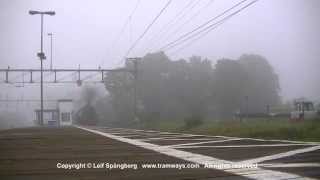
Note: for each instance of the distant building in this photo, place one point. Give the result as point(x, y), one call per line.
point(303, 110)
point(60, 116)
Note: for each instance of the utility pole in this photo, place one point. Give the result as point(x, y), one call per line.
point(247, 106)
point(268, 109)
point(302, 110)
point(42, 56)
point(7, 97)
point(135, 76)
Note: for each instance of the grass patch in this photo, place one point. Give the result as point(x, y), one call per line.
point(171, 126)
point(308, 130)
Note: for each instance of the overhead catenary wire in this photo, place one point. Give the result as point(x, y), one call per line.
point(193, 40)
point(202, 25)
point(90, 76)
point(191, 18)
point(147, 29)
point(167, 25)
point(15, 78)
point(208, 29)
point(18, 76)
point(123, 28)
point(165, 29)
point(66, 76)
point(125, 24)
point(44, 76)
point(168, 33)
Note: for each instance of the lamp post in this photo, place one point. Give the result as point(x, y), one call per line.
point(42, 56)
point(51, 36)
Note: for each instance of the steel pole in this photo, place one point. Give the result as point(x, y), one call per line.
point(51, 51)
point(135, 88)
point(41, 83)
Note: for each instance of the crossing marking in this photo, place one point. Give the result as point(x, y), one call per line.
point(290, 165)
point(257, 173)
point(282, 155)
point(205, 142)
point(238, 146)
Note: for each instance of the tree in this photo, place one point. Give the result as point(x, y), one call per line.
point(86, 114)
point(198, 82)
point(262, 86)
point(187, 89)
point(229, 81)
point(120, 88)
point(247, 84)
point(153, 92)
point(89, 95)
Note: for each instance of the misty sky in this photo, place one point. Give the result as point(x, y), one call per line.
point(286, 32)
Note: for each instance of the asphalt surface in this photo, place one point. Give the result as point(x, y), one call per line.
point(36, 153)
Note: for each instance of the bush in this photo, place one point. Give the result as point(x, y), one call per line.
point(193, 121)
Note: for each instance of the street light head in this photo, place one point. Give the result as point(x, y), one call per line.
point(33, 12)
point(51, 13)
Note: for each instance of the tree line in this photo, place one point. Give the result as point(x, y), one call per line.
point(188, 89)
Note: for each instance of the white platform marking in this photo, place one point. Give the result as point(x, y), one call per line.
point(227, 137)
point(282, 155)
point(165, 137)
point(239, 146)
point(205, 142)
point(257, 173)
point(178, 139)
point(273, 140)
point(290, 165)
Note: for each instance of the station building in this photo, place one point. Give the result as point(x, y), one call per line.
point(61, 115)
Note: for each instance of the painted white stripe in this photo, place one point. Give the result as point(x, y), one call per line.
point(257, 173)
point(282, 155)
point(290, 165)
point(274, 140)
point(180, 135)
point(166, 132)
point(125, 129)
point(196, 143)
point(119, 133)
point(239, 146)
point(128, 136)
point(165, 137)
point(131, 133)
point(176, 139)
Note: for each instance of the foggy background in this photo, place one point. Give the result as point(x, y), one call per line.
point(286, 32)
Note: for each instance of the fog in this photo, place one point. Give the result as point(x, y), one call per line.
point(285, 32)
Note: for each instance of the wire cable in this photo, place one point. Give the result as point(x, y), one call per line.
point(191, 18)
point(119, 35)
point(193, 40)
point(90, 76)
point(203, 25)
point(125, 24)
point(147, 29)
point(208, 29)
point(164, 30)
point(66, 76)
point(168, 34)
point(44, 76)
